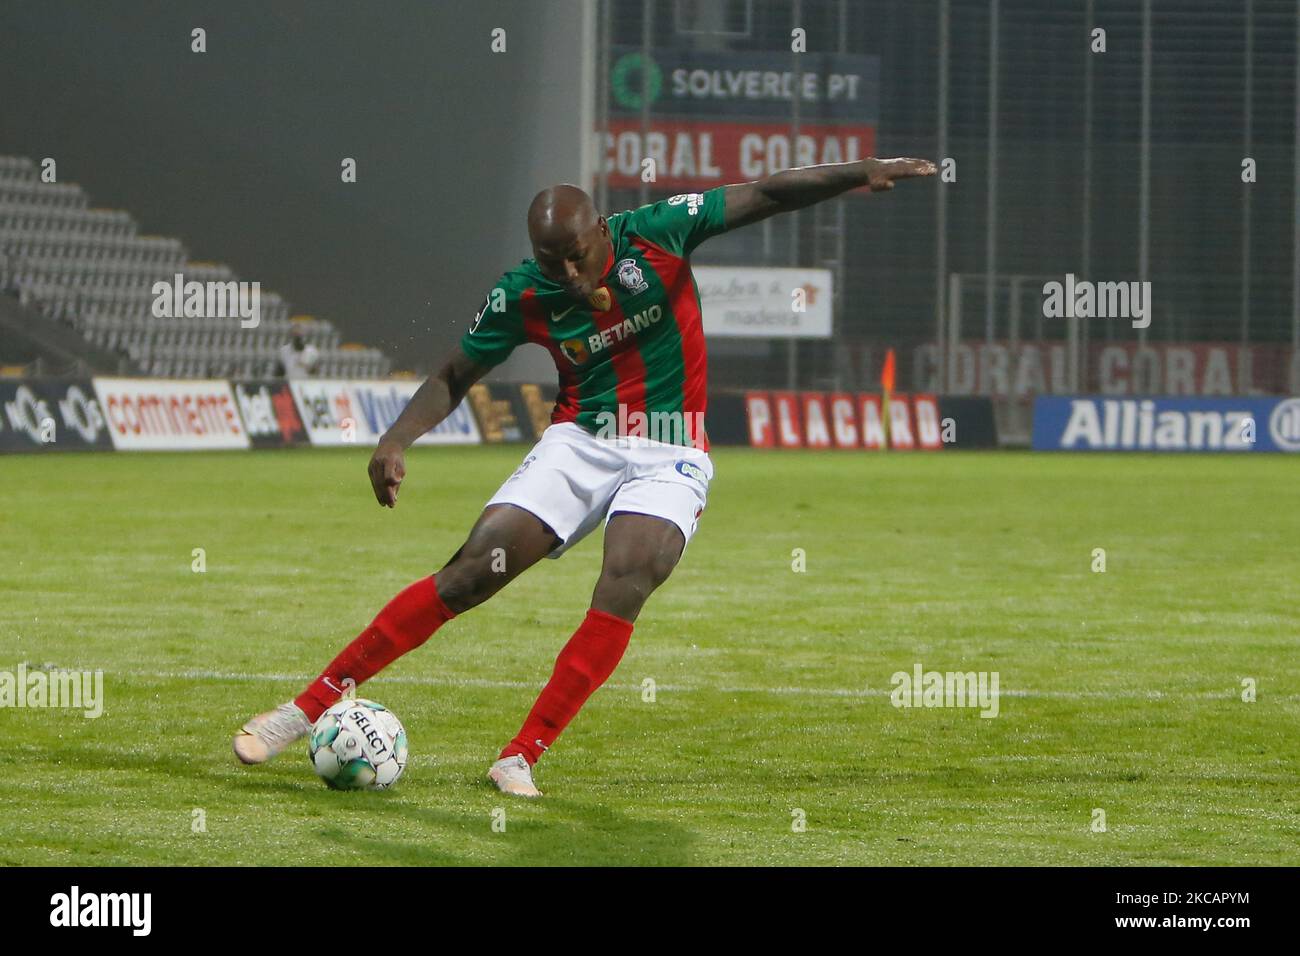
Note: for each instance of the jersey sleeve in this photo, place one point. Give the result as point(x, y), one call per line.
point(497, 329)
point(682, 222)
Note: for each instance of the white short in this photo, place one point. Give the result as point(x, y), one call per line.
point(572, 480)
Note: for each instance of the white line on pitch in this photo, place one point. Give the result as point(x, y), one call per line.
point(688, 688)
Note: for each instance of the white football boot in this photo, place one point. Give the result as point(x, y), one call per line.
point(267, 734)
point(512, 775)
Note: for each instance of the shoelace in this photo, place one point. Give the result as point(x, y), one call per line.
point(283, 726)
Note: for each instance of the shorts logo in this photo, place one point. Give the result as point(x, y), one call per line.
point(692, 471)
point(631, 276)
point(523, 467)
point(575, 350)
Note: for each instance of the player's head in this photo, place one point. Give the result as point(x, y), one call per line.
point(570, 239)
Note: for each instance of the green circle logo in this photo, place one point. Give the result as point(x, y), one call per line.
point(628, 67)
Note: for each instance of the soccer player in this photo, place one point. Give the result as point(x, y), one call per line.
point(614, 302)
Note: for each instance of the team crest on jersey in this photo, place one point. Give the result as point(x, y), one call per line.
point(630, 275)
point(575, 350)
point(601, 299)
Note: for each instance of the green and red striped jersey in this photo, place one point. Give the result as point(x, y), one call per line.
point(631, 359)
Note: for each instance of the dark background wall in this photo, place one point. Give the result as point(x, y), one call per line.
point(1205, 57)
point(237, 151)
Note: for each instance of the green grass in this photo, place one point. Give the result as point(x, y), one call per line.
point(1121, 691)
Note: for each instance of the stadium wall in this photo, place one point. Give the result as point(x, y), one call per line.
point(145, 414)
point(150, 414)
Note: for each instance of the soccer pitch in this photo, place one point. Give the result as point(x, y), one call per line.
point(770, 737)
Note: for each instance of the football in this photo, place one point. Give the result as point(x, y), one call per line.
point(358, 745)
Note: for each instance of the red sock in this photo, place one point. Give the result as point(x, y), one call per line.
point(583, 665)
point(406, 622)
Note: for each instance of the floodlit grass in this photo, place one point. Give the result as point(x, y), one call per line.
point(1121, 691)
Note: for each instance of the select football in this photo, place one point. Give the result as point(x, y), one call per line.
point(358, 745)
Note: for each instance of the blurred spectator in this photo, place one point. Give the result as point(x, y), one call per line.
point(298, 358)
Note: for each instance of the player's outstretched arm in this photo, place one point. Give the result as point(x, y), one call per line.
point(433, 402)
point(793, 189)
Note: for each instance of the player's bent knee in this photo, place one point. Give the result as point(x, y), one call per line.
point(644, 570)
point(624, 590)
point(469, 580)
point(662, 564)
point(654, 565)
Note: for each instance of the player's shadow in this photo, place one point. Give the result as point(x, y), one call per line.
point(553, 831)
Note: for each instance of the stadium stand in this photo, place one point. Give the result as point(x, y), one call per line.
point(92, 270)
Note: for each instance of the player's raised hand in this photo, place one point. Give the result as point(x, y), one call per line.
point(387, 469)
point(883, 173)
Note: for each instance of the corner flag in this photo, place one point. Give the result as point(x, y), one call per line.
point(886, 389)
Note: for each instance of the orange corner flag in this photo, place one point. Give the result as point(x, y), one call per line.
point(887, 373)
point(887, 389)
